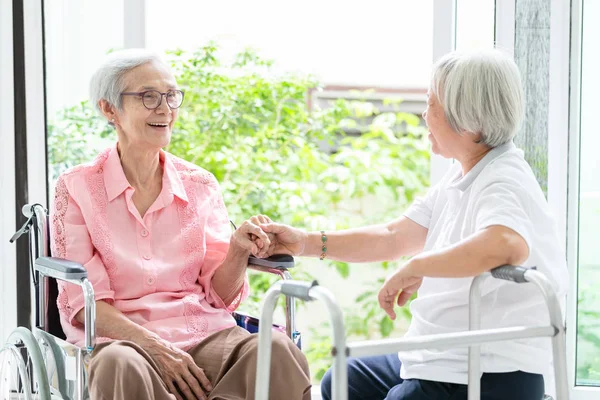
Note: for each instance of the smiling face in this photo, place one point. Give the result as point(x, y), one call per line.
point(135, 124)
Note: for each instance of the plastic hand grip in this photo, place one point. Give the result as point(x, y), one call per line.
point(278, 261)
point(298, 289)
point(510, 273)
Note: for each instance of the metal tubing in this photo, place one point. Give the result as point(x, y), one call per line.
point(80, 372)
point(41, 229)
point(290, 303)
point(40, 234)
point(290, 311)
point(263, 364)
point(42, 322)
point(339, 369)
point(559, 351)
point(445, 340)
point(90, 314)
point(339, 374)
point(474, 388)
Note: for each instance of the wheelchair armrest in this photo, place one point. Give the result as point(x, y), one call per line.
point(60, 268)
point(276, 261)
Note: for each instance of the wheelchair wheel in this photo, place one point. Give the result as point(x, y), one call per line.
point(55, 365)
point(22, 371)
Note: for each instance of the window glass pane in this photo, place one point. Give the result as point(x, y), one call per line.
point(475, 21)
point(79, 34)
point(379, 43)
point(588, 313)
point(382, 45)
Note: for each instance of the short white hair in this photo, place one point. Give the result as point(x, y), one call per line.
point(481, 92)
point(108, 82)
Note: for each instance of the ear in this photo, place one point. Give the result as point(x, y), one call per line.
point(108, 110)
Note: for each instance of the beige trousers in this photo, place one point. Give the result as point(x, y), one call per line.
point(123, 370)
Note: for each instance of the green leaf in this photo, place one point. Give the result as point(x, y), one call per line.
point(386, 326)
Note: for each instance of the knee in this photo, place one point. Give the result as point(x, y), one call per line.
point(112, 362)
point(283, 349)
point(326, 385)
point(285, 354)
point(353, 368)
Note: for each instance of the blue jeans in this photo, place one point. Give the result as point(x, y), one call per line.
point(378, 378)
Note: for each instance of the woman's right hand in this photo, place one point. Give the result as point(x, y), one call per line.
point(285, 239)
point(178, 370)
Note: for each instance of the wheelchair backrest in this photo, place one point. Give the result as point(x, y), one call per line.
point(39, 235)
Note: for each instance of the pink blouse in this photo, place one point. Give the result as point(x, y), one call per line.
point(157, 270)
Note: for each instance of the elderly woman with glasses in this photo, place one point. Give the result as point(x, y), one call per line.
point(487, 211)
point(154, 235)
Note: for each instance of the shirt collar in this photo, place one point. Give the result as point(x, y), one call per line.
point(462, 183)
point(116, 183)
point(171, 180)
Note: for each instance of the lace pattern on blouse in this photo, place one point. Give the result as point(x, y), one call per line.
point(99, 232)
point(193, 248)
point(197, 324)
point(57, 229)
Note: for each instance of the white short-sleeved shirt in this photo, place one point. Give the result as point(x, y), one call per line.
point(500, 190)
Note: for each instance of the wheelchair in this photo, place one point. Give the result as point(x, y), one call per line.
point(39, 364)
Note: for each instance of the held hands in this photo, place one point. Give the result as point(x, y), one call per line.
point(285, 239)
point(398, 288)
point(250, 237)
point(263, 238)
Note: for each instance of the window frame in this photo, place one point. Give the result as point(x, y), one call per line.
point(570, 188)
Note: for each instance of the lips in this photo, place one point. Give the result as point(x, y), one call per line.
point(158, 124)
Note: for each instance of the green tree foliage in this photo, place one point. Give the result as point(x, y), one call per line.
point(275, 154)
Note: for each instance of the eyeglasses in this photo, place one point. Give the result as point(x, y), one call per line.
point(152, 99)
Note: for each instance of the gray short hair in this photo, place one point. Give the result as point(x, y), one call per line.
point(108, 82)
point(481, 92)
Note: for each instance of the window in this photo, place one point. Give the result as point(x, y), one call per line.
point(78, 36)
point(588, 202)
point(475, 24)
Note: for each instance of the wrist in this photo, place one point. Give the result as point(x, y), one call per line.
point(236, 250)
point(313, 245)
point(147, 339)
point(414, 267)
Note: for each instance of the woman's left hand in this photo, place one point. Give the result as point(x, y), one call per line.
point(398, 288)
point(250, 237)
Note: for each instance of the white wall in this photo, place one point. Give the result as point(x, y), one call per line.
point(8, 296)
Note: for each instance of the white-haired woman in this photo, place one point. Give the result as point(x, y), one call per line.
point(153, 233)
point(487, 211)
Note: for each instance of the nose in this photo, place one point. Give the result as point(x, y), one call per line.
point(163, 107)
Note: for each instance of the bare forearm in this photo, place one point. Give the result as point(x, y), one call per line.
point(113, 324)
point(487, 249)
point(229, 277)
point(383, 242)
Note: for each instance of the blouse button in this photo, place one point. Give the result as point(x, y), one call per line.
point(144, 232)
point(147, 257)
point(150, 281)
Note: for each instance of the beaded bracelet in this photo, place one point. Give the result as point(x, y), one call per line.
point(324, 248)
